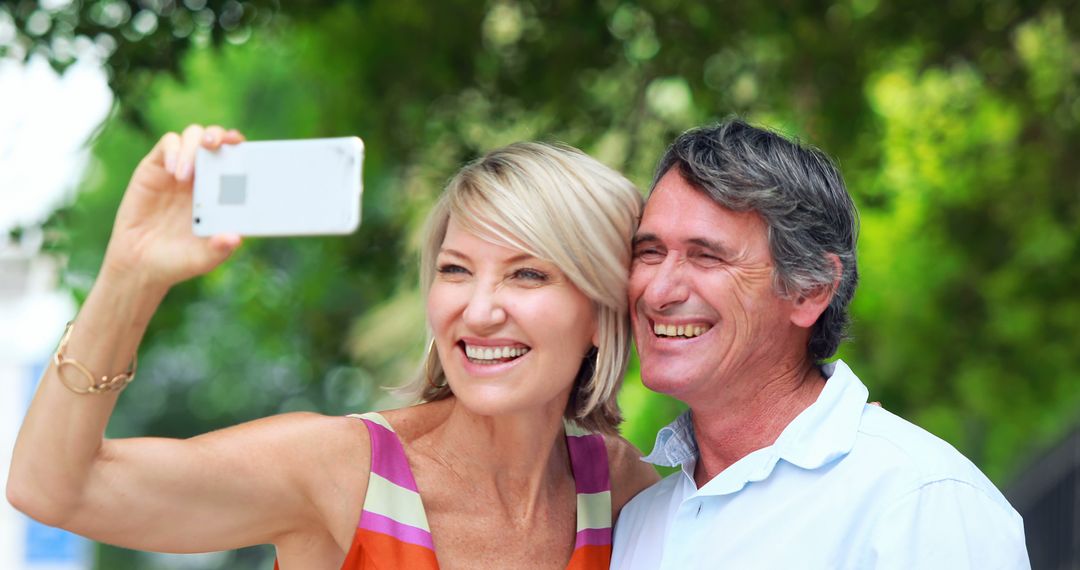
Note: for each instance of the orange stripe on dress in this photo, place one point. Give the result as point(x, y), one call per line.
point(373, 550)
point(590, 557)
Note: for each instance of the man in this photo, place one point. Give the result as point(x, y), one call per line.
point(744, 265)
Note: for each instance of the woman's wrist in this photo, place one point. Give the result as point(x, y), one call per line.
point(130, 284)
point(130, 298)
point(106, 334)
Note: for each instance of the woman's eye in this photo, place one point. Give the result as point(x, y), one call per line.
point(529, 274)
point(451, 269)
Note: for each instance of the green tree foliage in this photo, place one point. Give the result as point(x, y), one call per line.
point(955, 124)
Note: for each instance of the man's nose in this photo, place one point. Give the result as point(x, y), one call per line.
point(484, 310)
point(667, 286)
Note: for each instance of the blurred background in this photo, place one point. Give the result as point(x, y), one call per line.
point(956, 124)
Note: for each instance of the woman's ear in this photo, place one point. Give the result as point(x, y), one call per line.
point(596, 326)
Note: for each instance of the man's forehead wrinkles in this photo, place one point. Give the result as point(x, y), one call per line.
point(699, 241)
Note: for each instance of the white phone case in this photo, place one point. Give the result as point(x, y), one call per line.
point(279, 188)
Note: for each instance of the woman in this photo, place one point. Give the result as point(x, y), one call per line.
point(524, 272)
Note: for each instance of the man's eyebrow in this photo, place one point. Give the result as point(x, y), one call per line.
point(710, 245)
point(698, 241)
point(642, 238)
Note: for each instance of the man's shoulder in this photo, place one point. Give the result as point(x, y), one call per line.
point(658, 495)
point(933, 505)
point(913, 457)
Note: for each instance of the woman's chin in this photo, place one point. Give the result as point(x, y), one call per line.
point(504, 401)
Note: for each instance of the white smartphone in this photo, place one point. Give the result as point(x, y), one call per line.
point(279, 188)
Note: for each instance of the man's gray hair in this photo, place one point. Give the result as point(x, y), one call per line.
point(799, 193)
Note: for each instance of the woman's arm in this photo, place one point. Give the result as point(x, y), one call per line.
point(255, 483)
point(245, 485)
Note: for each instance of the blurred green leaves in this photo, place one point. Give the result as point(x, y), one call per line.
point(956, 125)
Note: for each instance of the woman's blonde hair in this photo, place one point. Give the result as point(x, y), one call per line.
point(558, 204)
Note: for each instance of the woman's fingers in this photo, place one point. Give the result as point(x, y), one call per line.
point(221, 247)
point(177, 151)
point(189, 144)
point(212, 137)
point(232, 136)
point(169, 147)
point(225, 243)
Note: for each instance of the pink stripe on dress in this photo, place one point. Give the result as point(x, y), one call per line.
point(401, 531)
point(588, 457)
point(391, 464)
point(593, 537)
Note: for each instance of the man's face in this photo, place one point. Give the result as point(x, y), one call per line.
point(702, 299)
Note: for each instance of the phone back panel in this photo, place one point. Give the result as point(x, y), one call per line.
point(275, 188)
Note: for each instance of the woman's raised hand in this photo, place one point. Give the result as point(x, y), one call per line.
point(152, 240)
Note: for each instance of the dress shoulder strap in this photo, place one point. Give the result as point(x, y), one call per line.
point(393, 531)
point(592, 479)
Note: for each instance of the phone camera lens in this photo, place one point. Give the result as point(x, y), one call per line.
point(198, 220)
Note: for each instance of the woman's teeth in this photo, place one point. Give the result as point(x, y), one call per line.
point(686, 331)
point(491, 354)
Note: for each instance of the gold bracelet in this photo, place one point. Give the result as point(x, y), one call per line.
point(114, 384)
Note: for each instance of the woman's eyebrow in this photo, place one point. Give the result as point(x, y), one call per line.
point(520, 257)
point(452, 252)
point(515, 259)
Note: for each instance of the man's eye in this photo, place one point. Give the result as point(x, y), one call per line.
point(708, 260)
point(649, 255)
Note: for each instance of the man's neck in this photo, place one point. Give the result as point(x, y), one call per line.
point(750, 415)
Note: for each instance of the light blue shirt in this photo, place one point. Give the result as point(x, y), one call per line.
point(846, 485)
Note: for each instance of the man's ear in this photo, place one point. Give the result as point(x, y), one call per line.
point(810, 304)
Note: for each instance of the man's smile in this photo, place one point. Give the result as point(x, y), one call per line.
point(680, 330)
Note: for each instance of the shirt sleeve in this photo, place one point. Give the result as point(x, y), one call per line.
point(948, 524)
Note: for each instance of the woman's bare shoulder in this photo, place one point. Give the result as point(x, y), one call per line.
point(318, 451)
point(411, 422)
point(629, 474)
point(305, 434)
point(328, 459)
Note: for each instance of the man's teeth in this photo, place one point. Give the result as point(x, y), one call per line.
point(494, 352)
point(687, 331)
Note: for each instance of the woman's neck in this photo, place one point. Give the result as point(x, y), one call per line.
point(517, 459)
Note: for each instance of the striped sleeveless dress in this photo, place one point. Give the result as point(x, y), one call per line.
point(393, 530)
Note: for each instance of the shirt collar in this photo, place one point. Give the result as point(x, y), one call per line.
point(822, 433)
point(675, 443)
point(826, 431)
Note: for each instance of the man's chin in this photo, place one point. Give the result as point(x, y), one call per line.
point(667, 382)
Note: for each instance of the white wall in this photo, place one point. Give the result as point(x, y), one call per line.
point(45, 121)
point(32, 316)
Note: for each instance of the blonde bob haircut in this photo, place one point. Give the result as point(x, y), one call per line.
point(557, 204)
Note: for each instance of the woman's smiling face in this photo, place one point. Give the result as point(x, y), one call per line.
point(510, 329)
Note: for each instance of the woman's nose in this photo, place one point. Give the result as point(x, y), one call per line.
point(485, 308)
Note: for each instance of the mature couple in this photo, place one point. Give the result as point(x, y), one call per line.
point(741, 267)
